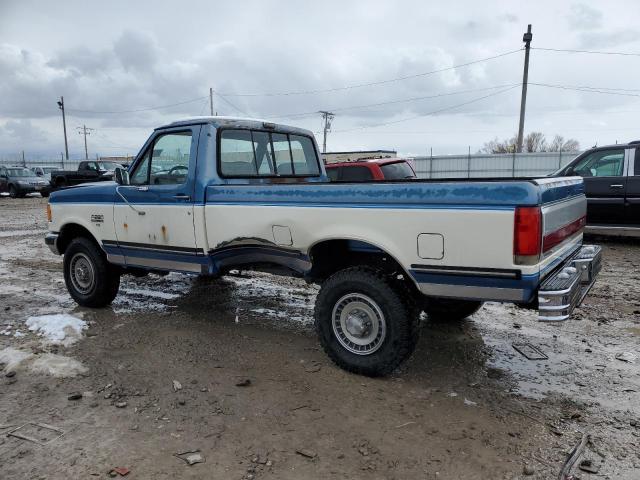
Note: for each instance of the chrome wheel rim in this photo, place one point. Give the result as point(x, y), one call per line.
point(82, 273)
point(359, 324)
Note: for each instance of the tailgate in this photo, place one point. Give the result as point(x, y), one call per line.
point(564, 210)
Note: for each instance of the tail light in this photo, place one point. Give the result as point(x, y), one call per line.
point(527, 235)
point(48, 213)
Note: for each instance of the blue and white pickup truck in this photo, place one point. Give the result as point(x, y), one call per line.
point(212, 194)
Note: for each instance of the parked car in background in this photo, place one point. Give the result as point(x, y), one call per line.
point(88, 171)
point(45, 171)
point(612, 183)
point(19, 181)
point(370, 170)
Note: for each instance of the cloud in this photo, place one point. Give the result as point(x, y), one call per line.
point(584, 17)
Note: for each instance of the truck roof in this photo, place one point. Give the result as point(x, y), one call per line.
point(240, 122)
point(379, 161)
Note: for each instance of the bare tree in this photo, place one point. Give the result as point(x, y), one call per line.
point(559, 144)
point(533, 142)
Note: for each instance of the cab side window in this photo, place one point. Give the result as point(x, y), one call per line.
point(602, 163)
point(636, 166)
point(166, 162)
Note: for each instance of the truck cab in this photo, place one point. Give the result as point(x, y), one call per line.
point(612, 185)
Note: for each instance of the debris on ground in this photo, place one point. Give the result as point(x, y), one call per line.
point(122, 471)
point(74, 396)
point(190, 457)
point(628, 357)
point(177, 385)
point(312, 367)
point(306, 453)
point(588, 466)
point(243, 383)
point(120, 404)
point(530, 352)
point(39, 433)
point(573, 457)
point(528, 470)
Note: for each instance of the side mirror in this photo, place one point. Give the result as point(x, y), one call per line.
point(121, 176)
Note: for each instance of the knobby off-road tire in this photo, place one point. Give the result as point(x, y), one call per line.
point(365, 321)
point(445, 310)
point(90, 279)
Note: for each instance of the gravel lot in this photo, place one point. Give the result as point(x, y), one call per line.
point(159, 374)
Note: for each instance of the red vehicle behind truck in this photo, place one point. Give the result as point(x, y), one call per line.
point(370, 170)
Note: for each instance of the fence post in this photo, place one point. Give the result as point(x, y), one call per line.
point(560, 160)
point(431, 164)
point(469, 163)
point(24, 163)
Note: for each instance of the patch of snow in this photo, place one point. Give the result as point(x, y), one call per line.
point(151, 293)
point(469, 403)
point(46, 363)
point(56, 365)
point(21, 233)
point(59, 328)
point(13, 358)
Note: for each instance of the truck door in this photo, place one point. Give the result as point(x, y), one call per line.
point(154, 214)
point(633, 190)
point(605, 184)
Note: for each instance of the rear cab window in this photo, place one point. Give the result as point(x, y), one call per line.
point(356, 173)
point(397, 171)
point(247, 153)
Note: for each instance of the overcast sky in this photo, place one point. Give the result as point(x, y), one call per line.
point(123, 56)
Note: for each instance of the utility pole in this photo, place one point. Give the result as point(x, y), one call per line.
point(525, 78)
point(64, 127)
point(211, 100)
point(83, 130)
point(328, 118)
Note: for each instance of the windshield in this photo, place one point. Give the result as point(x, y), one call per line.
point(108, 165)
point(19, 172)
point(397, 171)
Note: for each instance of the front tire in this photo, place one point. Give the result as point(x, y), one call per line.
point(365, 322)
point(13, 191)
point(445, 310)
point(90, 279)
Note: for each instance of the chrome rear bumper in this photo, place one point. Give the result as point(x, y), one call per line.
point(563, 291)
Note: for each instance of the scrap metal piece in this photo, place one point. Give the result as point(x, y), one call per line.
point(13, 433)
point(530, 352)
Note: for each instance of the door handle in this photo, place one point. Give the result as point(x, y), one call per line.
point(616, 185)
point(181, 196)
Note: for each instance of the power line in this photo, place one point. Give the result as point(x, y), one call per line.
point(626, 54)
point(369, 84)
point(232, 105)
point(586, 89)
point(147, 109)
point(391, 102)
point(433, 112)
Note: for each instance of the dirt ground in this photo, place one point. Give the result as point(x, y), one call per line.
point(466, 406)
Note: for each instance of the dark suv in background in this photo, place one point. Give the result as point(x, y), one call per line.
point(612, 182)
point(19, 181)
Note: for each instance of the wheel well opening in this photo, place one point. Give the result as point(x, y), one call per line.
point(71, 231)
point(330, 256)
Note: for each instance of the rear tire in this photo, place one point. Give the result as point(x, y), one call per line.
point(44, 194)
point(90, 279)
point(13, 191)
point(365, 323)
point(446, 310)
